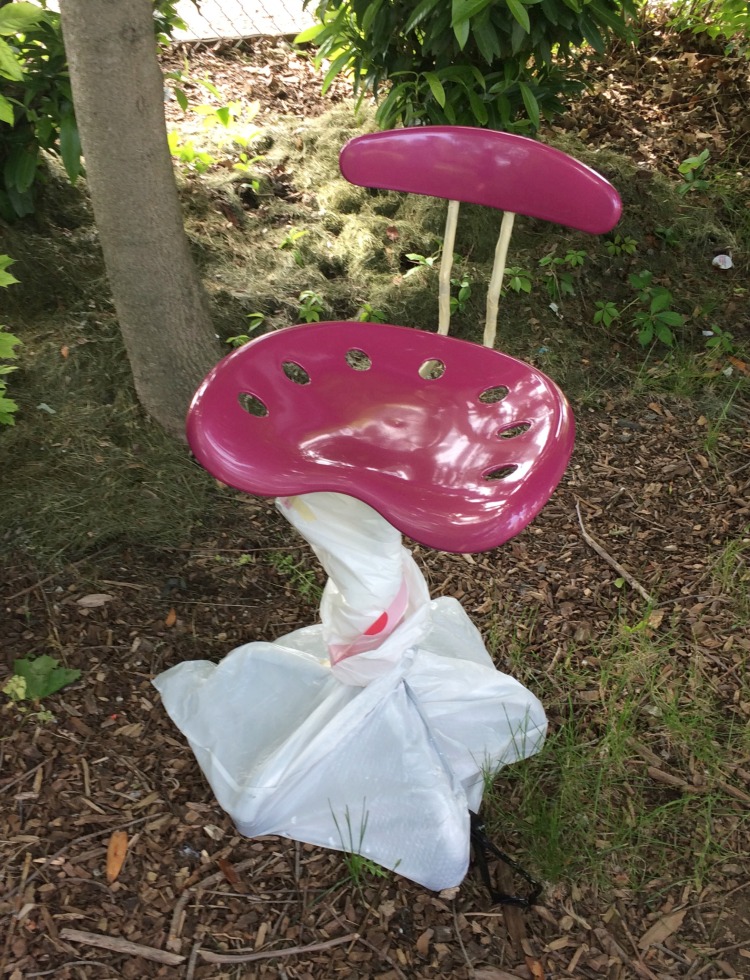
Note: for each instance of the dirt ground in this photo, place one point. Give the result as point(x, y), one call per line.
point(659, 482)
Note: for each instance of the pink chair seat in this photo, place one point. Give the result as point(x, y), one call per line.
point(457, 445)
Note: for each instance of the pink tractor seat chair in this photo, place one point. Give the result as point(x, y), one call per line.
point(457, 445)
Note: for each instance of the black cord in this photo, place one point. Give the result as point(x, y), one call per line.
point(484, 851)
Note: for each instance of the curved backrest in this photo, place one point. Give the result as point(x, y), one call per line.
point(481, 166)
point(457, 445)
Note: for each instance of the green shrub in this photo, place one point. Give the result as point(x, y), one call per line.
point(36, 104)
point(503, 64)
point(7, 350)
point(727, 19)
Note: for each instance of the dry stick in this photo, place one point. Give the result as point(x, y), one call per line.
point(496, 279)
point(191, 889)
point(192, 961)
point(610, 560)
point(249, 956)
point(446, 263)
point(122, 946)
point(20, 779)
point(611, 946)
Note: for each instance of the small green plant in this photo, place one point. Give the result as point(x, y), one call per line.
point(254, 320)
point(727, 19)
point(304, 580)
point(658, 320)
point(560, 272)
point(420, 262)
point(653, 320)
point(289, 243)
point(36, 679)
point(357, 865)
point(719, 343)
point(606, 313)
point(668, 235)
point(517, 280)
point(367, 313)
point(691, 170)
point(311, 306)
point(621, 245)
point(460, 301)
point(187, 154)
point(227, 124)
point(8, 343)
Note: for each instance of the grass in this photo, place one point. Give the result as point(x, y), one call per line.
point(633, 772)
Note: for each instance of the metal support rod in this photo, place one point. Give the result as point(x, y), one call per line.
point(496, 280)
point(446, 263)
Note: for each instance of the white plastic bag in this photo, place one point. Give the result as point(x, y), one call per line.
point(370, 732)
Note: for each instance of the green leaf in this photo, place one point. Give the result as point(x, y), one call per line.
point(6, 111)
point(419, 14)
point(304, 37)
point(20, 168)
point(464, 10)
point(478, 108)
point(661, 299)
point(70, 146)
point(436, 87)
point(671, 317)
point(7, 343)
point(17, 18)
point(336, 66)
point(182, 99)
point(10, 66)
point(530, 103)
point(44, 676)
point(7, 409)
point(461, 31)
point(520, 13)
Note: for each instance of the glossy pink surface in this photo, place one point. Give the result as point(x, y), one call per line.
point(481, 166)
point(417, 449)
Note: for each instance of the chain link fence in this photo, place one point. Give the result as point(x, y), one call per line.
point(211, 20)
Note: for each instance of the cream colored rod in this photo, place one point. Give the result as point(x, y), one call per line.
point(446, 264)
point(496, 280)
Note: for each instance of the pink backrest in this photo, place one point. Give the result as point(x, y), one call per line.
point(481, 166)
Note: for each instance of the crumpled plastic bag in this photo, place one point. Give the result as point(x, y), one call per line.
point(371, 732)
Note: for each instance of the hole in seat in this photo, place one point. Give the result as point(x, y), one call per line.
point(432, 369)
point(252, 404)
point(511, 431)
point(494, 394)
point(295, 372)
point(500, 472)
point(358, 360)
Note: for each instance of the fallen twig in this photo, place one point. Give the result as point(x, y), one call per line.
point(612, 947)
point(117, 945)
point(248, 956)
point(622, 572)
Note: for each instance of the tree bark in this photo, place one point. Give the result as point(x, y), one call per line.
point(118, 93)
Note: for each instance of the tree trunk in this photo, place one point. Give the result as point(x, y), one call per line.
point(118, 91)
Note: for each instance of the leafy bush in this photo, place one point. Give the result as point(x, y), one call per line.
point(7, 344)
point(503, 64)
point(36, 104)
point(727, 19)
